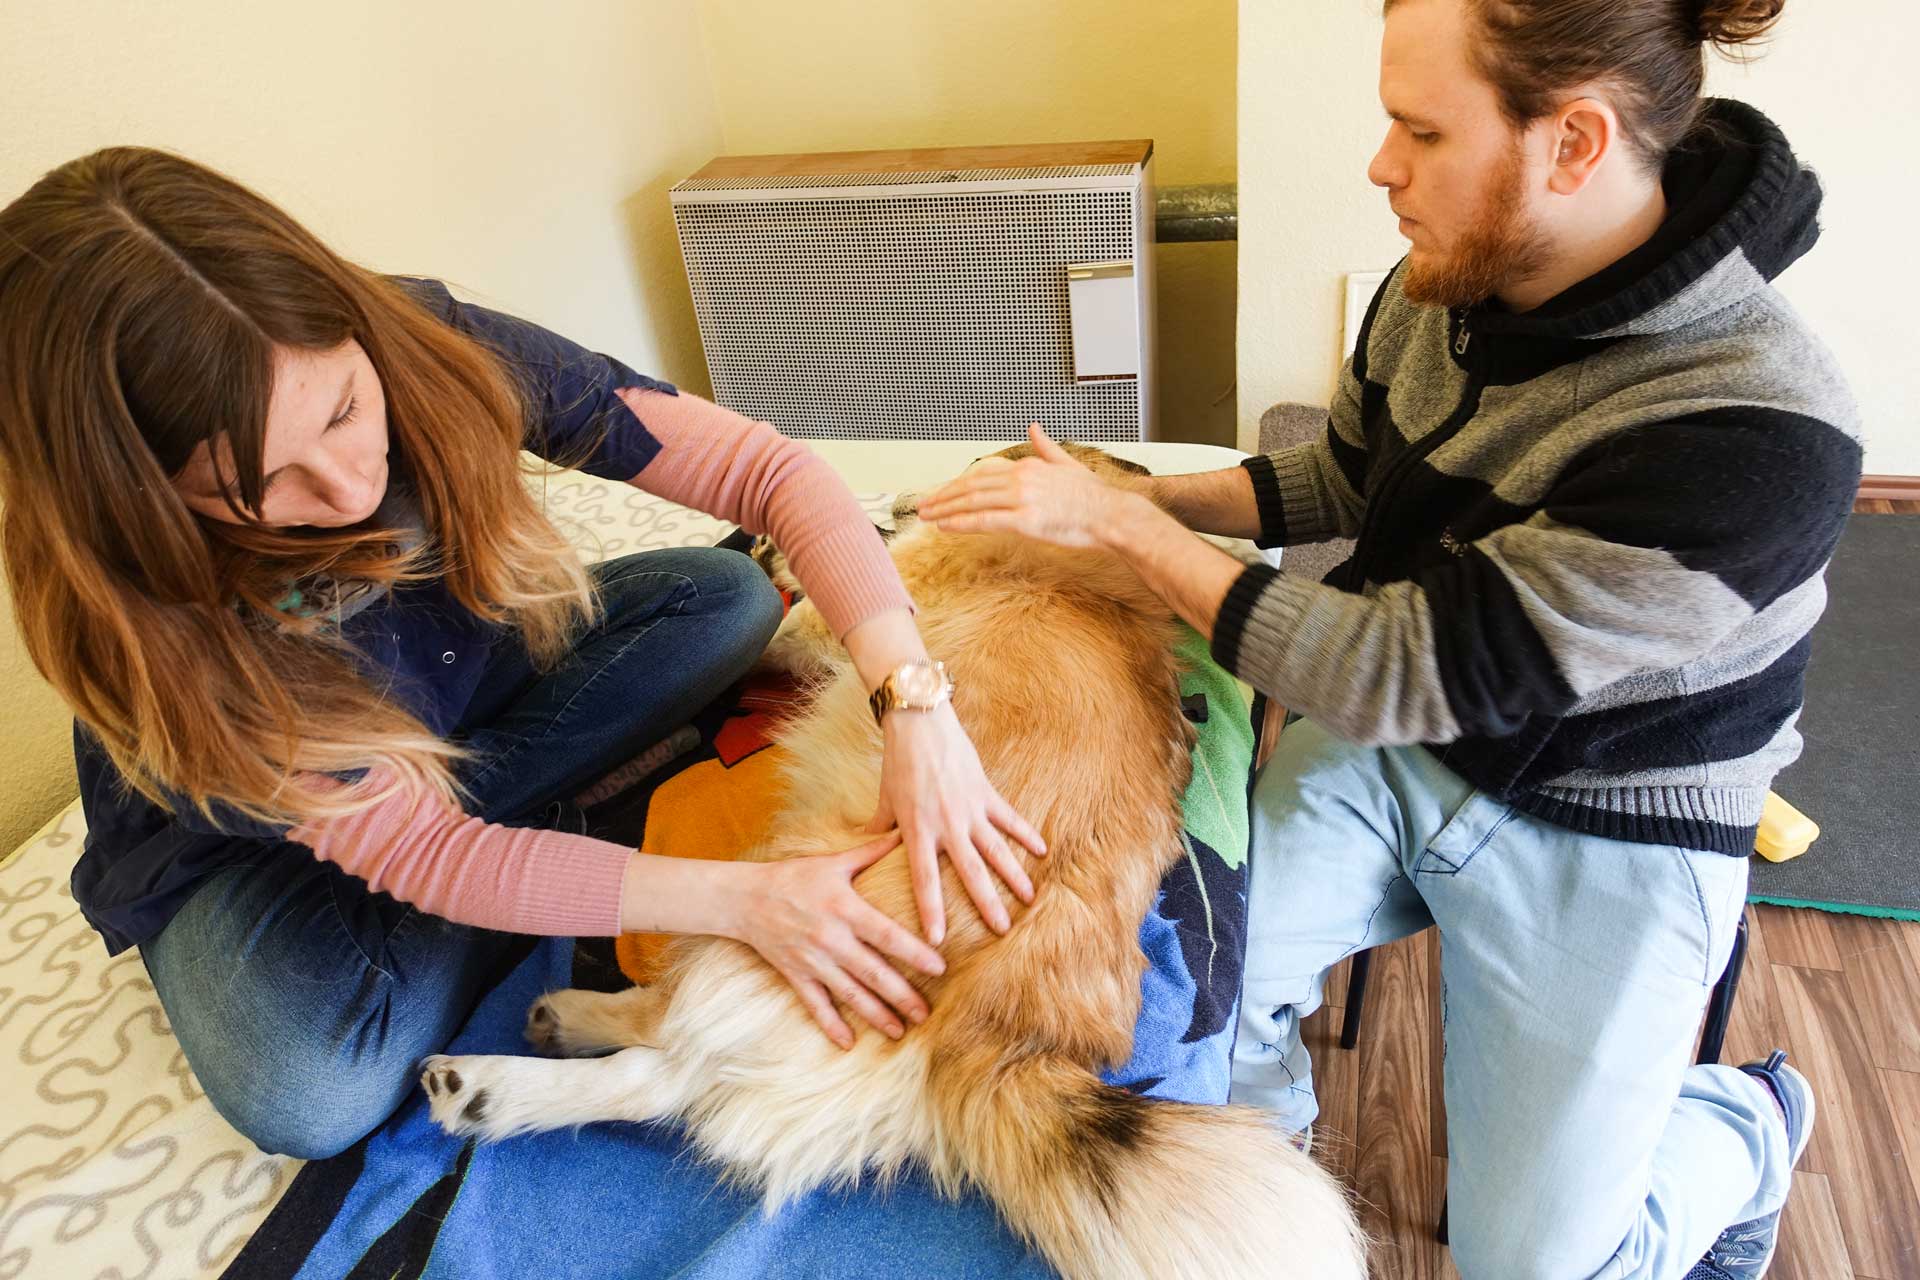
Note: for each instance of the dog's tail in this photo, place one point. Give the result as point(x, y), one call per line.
point(1110, 1185)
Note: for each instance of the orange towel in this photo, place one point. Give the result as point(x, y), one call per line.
point(718, 807)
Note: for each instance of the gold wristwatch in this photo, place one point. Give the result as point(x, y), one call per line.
point(911, 686)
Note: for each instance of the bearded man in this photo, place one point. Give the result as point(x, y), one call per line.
point(1595, 466)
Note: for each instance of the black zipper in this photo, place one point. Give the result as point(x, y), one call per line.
point(1364, 551)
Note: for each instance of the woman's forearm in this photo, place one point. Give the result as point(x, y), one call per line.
point(684, 895)
point(882, 642)
point(717, 461)
point(429, 853)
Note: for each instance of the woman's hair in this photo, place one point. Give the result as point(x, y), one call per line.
point(1650, 53)
point(142, 300)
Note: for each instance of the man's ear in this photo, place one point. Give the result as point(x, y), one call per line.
point(1583, 134)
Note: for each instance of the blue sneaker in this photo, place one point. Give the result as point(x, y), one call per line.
point(1743, 1250)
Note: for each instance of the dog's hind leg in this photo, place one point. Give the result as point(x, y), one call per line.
point(492, 1097)
point(572, 1023)
point(803, 645)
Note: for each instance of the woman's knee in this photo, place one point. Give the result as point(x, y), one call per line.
point(300, 1042)
point(749, 600)
point(311, 1121)
point(302, 1093)
point(727, 591)
point(313, 1096)
point(738, 606)
point(1513, 1250)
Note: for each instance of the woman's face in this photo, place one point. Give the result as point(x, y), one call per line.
point(325, 453)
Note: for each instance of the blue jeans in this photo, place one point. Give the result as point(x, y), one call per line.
point(302, 999)
point(1574, 974)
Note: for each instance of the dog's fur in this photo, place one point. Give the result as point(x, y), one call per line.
point(1068, 688)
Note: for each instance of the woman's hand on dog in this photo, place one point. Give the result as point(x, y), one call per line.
point(809, 922)
point(1050, 495)
point(934, 790)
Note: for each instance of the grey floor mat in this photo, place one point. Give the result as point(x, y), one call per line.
point(1859, 777)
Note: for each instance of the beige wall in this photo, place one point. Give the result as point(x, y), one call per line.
point(1836, 80)
point(524, 154)
point(1309, 121)
point(1839, 81)
point(36, 756)
point(850, 75)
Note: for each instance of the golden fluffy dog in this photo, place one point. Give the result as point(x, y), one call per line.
point(1067, 685)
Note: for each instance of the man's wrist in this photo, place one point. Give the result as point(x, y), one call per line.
point(1129, 514)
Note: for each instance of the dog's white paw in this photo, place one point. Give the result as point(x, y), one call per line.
point(475, 1096)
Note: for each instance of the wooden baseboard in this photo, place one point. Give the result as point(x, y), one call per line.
point(1898, 488)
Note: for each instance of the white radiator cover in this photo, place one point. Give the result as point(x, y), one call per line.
point(924, 303)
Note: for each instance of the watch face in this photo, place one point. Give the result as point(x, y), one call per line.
point(918, 684)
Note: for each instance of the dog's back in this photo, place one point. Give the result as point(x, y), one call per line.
point(1069, 691)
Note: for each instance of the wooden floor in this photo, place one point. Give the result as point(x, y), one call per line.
point(1840, 993)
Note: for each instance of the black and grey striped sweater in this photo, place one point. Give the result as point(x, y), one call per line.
point(1591, 537)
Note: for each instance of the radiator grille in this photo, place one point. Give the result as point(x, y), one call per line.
point(903, 179)
point(924, 316)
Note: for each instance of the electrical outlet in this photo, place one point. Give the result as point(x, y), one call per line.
point(1361, 286)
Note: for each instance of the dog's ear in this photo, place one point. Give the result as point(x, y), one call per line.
point(1095, 459)
point(1012, 453)
point(1100, 460)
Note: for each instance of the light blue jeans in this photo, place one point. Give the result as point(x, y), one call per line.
point(1574, 974)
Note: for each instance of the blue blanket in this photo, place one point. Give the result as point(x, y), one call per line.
point(628, 1201)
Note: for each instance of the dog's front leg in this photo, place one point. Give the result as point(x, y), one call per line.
point(493, 1096)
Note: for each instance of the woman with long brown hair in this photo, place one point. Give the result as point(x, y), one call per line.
point(333, 671)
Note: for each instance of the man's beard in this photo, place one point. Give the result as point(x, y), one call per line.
point(1503, 245)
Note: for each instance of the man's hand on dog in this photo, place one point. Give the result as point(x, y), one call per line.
point(1050, 496)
